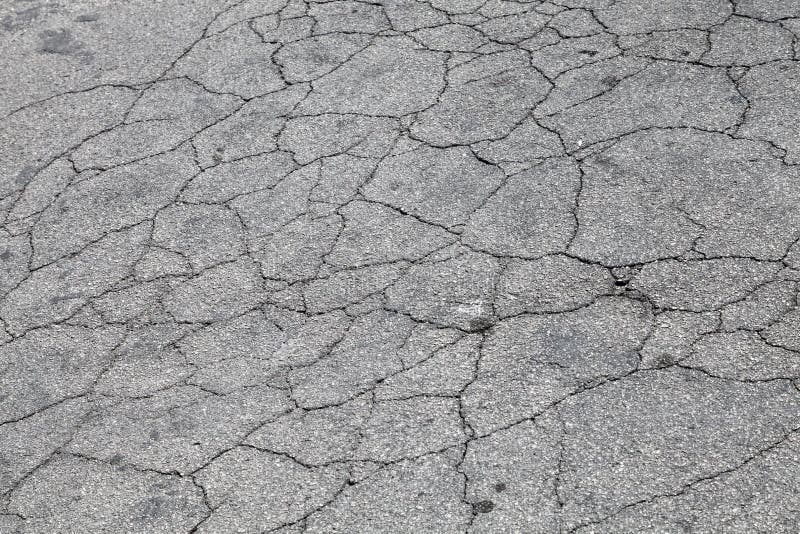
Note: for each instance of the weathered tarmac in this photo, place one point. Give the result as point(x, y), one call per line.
point(400, 266)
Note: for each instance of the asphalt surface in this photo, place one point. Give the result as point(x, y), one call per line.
point(400, 266)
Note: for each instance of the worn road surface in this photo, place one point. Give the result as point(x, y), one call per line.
point(399, 266)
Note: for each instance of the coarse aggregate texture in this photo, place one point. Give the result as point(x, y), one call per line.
point(400, 266)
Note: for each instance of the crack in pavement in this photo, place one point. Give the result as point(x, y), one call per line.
point(400, 266)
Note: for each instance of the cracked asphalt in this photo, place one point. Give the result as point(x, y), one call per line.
point(423, 266)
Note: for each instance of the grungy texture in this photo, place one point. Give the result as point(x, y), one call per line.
point(400, 266)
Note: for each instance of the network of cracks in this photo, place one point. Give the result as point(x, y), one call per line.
point(400, 266)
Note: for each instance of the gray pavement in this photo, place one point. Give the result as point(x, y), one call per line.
point(400, 266)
